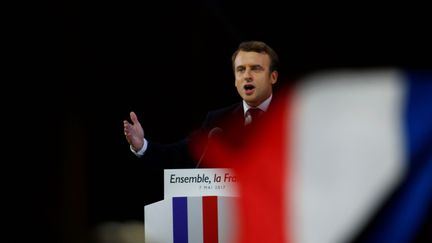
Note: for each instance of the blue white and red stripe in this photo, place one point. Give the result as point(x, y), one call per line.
point(346, 156)
point(207, 219)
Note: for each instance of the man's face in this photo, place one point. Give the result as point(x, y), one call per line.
point(253, 79)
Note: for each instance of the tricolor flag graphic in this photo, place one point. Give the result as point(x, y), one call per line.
point(206, 219)
point(346, 156)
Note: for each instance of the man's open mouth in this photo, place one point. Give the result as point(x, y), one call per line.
point(249, 87)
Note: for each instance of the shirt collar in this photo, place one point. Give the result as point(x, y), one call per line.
point(263, 106)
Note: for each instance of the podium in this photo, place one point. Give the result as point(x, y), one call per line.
point(198, 206)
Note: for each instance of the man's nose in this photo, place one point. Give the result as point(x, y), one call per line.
point(247, 75)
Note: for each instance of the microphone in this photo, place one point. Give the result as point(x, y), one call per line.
point(214, 132)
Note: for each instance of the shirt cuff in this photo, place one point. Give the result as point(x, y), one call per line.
point(141, 151)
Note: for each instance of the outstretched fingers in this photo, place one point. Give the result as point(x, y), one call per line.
point(134, 118)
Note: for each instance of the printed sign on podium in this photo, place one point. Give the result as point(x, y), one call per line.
point(199, 182)
point(198, 206)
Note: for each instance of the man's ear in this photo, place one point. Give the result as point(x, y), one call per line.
point(274, 76)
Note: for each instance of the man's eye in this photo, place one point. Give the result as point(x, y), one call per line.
point(257, 68)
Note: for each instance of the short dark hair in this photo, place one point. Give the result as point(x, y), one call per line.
point(260, 47)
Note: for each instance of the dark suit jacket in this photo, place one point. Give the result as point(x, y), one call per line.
point(230, 120)
point(178, 155)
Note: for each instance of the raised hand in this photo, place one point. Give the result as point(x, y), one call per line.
point(134, 132)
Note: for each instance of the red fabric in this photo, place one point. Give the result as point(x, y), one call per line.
point(260, 164)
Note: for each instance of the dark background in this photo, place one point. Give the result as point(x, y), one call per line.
point(171, 63)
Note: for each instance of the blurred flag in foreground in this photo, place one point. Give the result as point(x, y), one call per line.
point(345, 157)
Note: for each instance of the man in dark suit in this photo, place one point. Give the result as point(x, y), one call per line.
point(255, 67)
